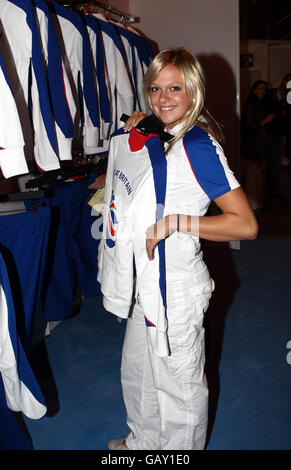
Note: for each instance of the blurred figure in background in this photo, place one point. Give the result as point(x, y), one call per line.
point(255, 150)
point(278, 134)
point(288, 126)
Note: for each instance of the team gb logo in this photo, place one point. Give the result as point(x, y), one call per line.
point(111, 223)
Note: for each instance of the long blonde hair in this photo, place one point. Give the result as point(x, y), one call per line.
point(193, 77)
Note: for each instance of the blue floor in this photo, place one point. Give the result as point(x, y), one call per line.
point(248, 326)
point(86, 405)
point(254, 408)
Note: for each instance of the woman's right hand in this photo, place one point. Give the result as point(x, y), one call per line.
point(134, 119)
point(98, 183)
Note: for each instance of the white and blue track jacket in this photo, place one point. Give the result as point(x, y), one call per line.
point(21, 29)
point(21, 388)
point(73, 35)
point(63, 104)
point(67, 94)
point(118, 80)
point(134, 200)
point(136, 62)
point(196, 172)
point(98, 55)
point(12, 158)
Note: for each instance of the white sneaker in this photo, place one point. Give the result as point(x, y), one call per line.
point(117, 444)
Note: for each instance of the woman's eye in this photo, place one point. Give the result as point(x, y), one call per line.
point(175, 88)
point(153, 89)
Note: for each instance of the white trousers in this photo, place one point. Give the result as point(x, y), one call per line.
point(166, 398)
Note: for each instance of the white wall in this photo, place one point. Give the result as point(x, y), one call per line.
point(122, 5)
point(271, 61)
point(271, 58)
point(210, 28)
point(279, 61)
point(200, 25)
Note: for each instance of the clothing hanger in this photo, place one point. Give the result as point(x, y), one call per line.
point(55, 178)
point(90, 7)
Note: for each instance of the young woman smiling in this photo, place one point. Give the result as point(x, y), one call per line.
point(166, 397)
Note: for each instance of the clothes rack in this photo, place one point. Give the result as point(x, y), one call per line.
point(23, 196)
point(124, 18)
point(58, 176)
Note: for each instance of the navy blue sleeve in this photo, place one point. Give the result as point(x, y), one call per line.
point(208, 163)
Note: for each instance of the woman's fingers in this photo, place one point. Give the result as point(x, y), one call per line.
point(98, 183)
point(151, 240)
point(154, 234)
point(134, 119)
point(150, 246)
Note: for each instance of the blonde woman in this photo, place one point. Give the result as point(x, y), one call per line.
point(166, 397)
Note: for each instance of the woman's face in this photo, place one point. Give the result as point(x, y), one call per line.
point(169, 97)
point(260, 91)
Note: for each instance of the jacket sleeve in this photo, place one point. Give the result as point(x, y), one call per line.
point(12, 158)
point(22, 391)
point(100, 73)
point(74, 37)
point(137, 67)
point(122, 92)
point(58, 82)
point(20, 25)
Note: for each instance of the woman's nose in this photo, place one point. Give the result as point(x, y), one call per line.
point(164, 95)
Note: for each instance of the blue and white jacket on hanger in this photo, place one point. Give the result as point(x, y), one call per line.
point(134, 180)
point(21, 388)
point(12, 158)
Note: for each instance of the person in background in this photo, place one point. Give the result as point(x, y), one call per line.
point(287, 148)
point(255, 143)
point(166, 397)
point(278, 134)
point(285, 102)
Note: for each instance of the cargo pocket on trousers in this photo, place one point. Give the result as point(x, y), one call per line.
point(189, 361)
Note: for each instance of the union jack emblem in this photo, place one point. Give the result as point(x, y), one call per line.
point(111, 223)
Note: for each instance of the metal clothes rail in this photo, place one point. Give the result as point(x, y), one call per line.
point(105, 6)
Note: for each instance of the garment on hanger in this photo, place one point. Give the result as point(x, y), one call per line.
point(121, 90)
point(57, 80)
point(75, 86)
point(72, 249)
point(19, 23)
point(137, 59)
point(96, 136)
point(132, 178)
point(78, 53)
point(24, 237)
point(12, 157)
point(12, 434)
point(23, 243)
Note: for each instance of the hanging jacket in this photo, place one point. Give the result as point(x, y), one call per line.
point(99, 62)
point(120, 87)
point(57, 80)
point(20, 26)
point(73, 35)
point(21, 387)
point(134, 200)
point(12, 158)
point(136, 64)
